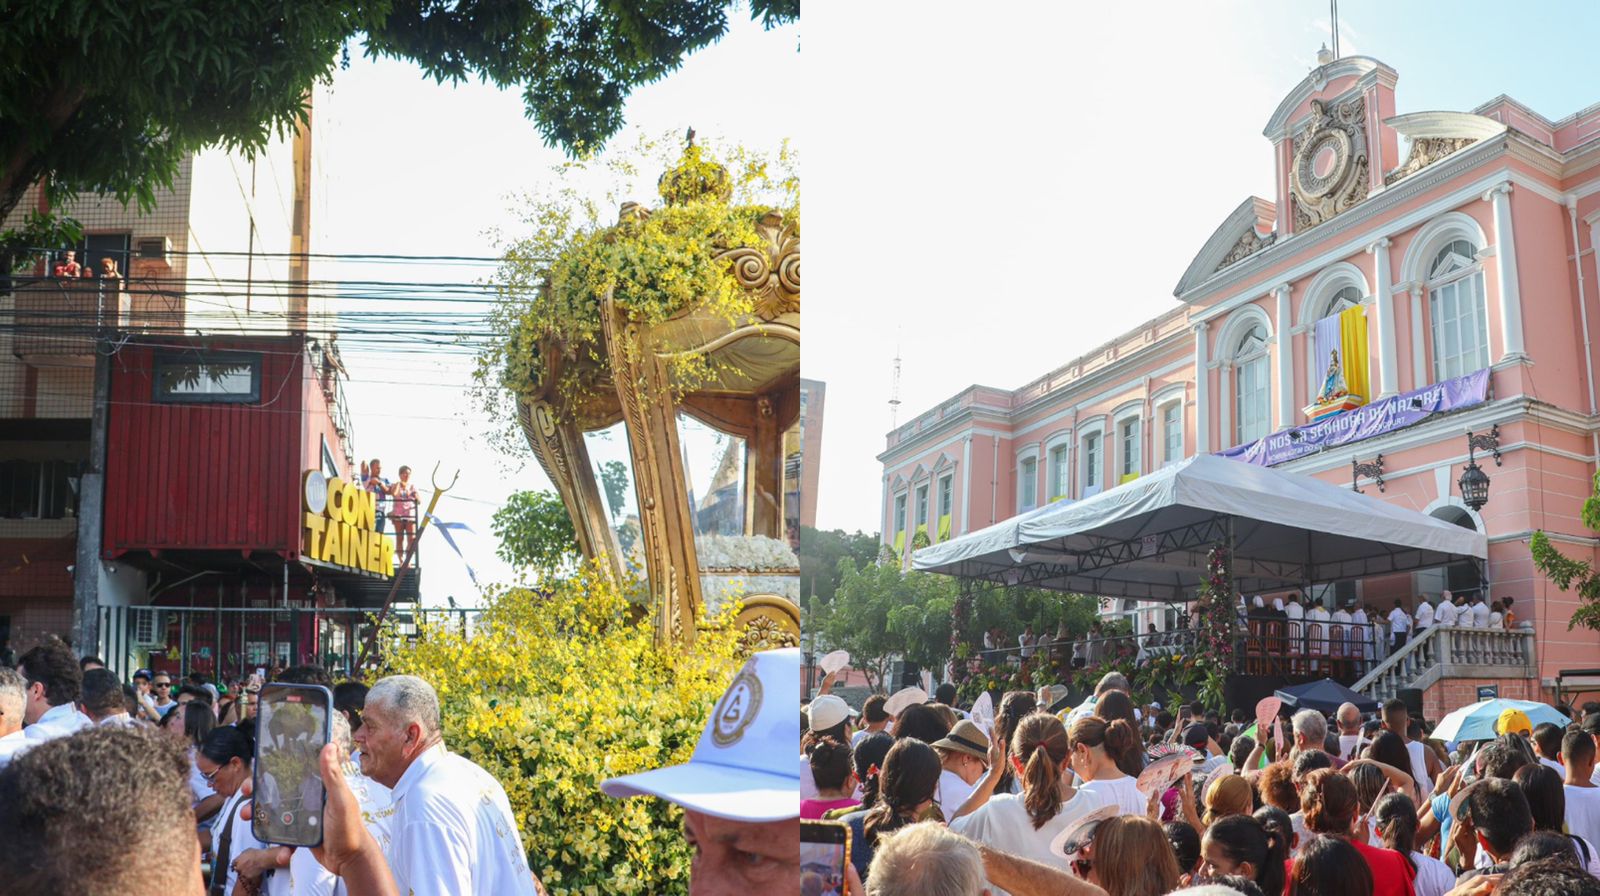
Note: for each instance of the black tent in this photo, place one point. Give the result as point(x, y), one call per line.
point(1324, 696)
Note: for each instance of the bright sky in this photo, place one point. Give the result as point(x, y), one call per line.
point(995, 195)
point(413, 168)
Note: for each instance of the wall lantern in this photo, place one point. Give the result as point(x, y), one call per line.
point(1474, 482)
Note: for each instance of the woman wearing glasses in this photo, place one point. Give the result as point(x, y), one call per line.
point(224, 762)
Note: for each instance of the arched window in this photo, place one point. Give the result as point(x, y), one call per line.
point(1455, 302)
point(1252, 386)
point(1317, 366)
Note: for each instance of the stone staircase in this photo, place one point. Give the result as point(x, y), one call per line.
point(1452, 652)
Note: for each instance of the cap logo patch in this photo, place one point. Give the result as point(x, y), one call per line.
point(737, 708)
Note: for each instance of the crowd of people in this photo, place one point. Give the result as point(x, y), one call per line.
point(1114, 796)
point(1291, 625)
point(109, 786)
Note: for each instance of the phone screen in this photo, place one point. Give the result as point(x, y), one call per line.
point(292, 725)
point(824, 848)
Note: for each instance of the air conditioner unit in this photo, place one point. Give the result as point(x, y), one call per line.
point(149, 627)
point(155, 248)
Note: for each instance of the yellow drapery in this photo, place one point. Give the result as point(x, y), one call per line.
point(1353, 350)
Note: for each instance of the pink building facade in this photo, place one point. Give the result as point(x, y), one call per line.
point(1468, 238)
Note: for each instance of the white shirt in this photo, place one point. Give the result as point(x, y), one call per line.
point(241, 838)
point(1399, 621)
point(808, 784)
point(1583, 812)
point(1496, 620)
point(1349, 744)
point(305, 876)
point(1424, 615)
point(1446, 614)
point(1003, 823)
point(57, 721)
point(1026, 644)
point(1480, 615)
point(454, 831)
point(1551, 763)
point(1419, 767)
point(952, 792)
point(1122, 792)
point(1294, 611)
point(13, 744)
point(120, 720)
point(988, 640)
point(1434, 878)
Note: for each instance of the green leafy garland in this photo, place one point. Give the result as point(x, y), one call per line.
point(1218, 624)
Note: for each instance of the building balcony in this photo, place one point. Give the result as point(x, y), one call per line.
point(59, 320)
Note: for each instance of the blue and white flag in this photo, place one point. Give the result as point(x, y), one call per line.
point(446, 529)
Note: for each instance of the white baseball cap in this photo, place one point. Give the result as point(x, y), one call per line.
point(828, 711)
point(743, 768)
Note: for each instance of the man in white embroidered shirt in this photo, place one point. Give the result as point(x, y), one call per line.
point(54, 684)
point(740, 792)
point(453, 829)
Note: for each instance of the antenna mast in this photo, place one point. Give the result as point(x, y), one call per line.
point(894, 392)
point(1333, 14)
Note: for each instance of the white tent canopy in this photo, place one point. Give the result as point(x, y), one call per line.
point(1149, 538)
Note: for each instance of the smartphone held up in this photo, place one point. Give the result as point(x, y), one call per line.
point(293, 724)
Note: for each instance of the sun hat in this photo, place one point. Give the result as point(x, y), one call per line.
point(1513, 721)
point(743, 768)
point(966, 738)
point(828, 711)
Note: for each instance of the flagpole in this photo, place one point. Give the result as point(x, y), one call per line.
point(405, 563)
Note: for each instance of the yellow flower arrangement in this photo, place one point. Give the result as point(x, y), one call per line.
point(555, 689)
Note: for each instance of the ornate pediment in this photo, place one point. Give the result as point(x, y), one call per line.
point(1248, 244)
point(1437, 135)
point(1329, 172)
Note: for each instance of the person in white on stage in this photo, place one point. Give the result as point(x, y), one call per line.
point(1399, 626)
point(1480, 612)
point(453, 828)
point(1425, 615)
point(1447, 613)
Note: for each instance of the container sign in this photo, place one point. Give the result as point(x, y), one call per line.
point(341, 526)
point(1488, 691)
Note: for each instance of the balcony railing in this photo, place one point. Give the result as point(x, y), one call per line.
point(1452, 652)
point(58, 321)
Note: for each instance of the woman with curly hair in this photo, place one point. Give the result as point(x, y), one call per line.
point(1025, 824)
point(909, 778)
point(1332, 809)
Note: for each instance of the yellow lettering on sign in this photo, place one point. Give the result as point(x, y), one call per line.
point(374, 551)
point(336, 495)
point(313, 533)
point(386, 564)
point(368, 517)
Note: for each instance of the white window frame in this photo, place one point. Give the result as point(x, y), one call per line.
point(1134, 414)
point(1169, 398)
point(1260, 359)
point(1331, 303)
point(1061, 441)
point(921, 518)
point(1096, 430)
point(1450, 286)
point(1031, 481)
point(947, 498)
point(902, 500)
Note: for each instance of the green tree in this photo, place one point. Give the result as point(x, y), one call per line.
point(1574, 575)
point(880, 612)
point(108, 97)
point(820, 553)
point(535, 531)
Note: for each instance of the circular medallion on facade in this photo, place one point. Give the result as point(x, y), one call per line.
point(1322, 162)
point(737, 708)
point(314, 491)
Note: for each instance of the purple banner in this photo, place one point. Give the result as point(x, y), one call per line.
point(1369, 420)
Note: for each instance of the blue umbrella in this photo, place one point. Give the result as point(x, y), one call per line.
point(1476, 721)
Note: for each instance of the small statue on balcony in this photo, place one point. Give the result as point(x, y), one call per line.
point(68, 266)
point(1333, 382)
